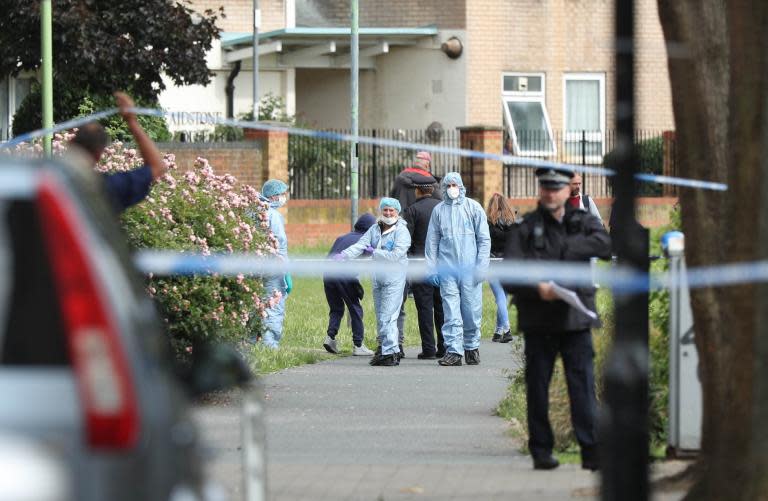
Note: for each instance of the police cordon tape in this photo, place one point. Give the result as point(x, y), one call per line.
point(524, 162)
point(620, 278)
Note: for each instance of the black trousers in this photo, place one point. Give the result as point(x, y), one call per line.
point(339, 293)
point(429, 309)
point(541, 350)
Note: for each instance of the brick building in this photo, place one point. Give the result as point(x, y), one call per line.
point(529, 66)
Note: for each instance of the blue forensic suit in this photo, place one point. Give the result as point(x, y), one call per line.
point(390, 246)
point(458, 250)
point(273, 324)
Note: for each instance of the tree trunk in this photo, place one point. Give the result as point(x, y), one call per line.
point(718, 88)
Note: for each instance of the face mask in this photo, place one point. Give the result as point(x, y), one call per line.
point(276, 204)
point(388, 220)
point(453, 192)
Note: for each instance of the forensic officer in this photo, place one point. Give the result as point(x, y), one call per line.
point(555, 231)
point(276, 287)
point(388, 241)
point(458, 249)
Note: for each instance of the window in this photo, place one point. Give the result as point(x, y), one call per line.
point(12, 93)
point(525, 114)
point(585, 117)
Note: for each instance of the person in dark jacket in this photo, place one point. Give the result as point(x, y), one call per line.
point(123, 189)
point(429, 304)
point(501, 218)
point(346, 292)
point(403, 188)
point(557, 232)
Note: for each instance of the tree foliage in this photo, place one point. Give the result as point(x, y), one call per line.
point(103, 45)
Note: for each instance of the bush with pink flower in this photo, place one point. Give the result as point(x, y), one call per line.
point(196, 211)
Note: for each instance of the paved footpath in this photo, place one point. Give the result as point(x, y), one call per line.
point(342, 430)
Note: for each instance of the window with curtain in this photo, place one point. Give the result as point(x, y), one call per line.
point(584, 117)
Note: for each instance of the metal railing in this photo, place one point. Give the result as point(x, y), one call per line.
point(655, 155)
point(318, 168)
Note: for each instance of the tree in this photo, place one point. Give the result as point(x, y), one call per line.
point(718, 64)
point(100, 46)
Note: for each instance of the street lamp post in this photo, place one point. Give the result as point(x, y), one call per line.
point(46, 46)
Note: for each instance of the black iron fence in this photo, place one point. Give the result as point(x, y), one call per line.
point(319, 168)
point(655, 149)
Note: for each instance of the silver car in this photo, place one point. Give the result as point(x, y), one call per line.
point(85, 368)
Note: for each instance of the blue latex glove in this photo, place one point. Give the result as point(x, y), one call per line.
point(369, 249)
point(433, 280)
point(389, 245)
point(288, 283)
point(339, 257)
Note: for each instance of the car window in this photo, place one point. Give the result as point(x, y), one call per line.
point(33, 331)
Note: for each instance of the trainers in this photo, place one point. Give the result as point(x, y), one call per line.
point(506, 337)
point(496, 337)
point(361, 351)
point(450, 359)
point(426, 356)
point(387, 360)
point(472, 357)
point(330, 345)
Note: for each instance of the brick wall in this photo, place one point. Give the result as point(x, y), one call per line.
point(446, 14)
point(239, 14)
point(558, 37)
point(321, 221)
point(242, 160)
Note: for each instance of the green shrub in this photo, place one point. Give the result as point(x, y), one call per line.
point(650, 160)
point(198, 211)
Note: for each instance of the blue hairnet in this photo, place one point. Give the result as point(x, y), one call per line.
point(273, 187)
point(390, 202)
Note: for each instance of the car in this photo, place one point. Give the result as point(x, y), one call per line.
point(85, 366)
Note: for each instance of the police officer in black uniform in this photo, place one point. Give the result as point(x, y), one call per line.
point(555, 231)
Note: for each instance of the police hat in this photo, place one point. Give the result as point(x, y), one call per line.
point(550, 177)
point(422, 181)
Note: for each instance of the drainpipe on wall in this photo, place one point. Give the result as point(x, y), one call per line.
point(230, 90)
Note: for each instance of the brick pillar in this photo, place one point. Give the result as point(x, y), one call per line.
point(482, 177)
point(274, 151)
point(274, 154)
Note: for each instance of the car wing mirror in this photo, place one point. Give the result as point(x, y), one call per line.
point(216, 367)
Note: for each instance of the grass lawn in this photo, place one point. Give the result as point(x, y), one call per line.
point(306, 321)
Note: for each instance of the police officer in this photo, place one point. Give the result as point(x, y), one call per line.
point(556, 231)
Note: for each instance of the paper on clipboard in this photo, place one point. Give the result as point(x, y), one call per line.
point(572, 299)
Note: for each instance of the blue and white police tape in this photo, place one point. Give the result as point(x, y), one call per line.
point(60, 127)
point(620, 278)
point(525, 162)
point(168, 263)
